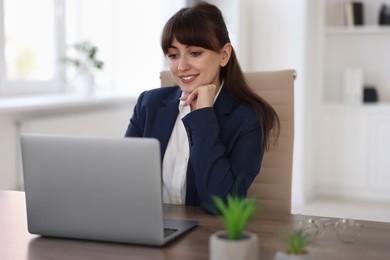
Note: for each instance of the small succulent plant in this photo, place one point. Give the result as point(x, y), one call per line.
point(236, 214)
point(296, 242)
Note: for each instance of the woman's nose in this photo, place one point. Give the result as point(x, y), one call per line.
point(183, 64)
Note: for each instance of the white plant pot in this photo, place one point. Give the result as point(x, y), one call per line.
point(222, 248)
point(281, 255)
point(84, 82)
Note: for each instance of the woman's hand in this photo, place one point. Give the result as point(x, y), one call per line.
point(201, 97)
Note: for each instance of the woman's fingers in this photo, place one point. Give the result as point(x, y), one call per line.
point(188, 100)
point(201, 97)
point(206, 96)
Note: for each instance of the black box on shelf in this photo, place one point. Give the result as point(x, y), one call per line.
point(358, 12)
point(370, 95)
point(384, 14)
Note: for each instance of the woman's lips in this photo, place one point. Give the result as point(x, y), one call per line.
point(187, 79)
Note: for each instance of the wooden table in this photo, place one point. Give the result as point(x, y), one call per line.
point(17, 244)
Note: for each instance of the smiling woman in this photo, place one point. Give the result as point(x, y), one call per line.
point(212, 128)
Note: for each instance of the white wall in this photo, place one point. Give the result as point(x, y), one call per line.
point(276, 39)
point(312, 92)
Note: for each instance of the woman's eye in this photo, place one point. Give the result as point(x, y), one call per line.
point(172, 56)
point(195, 53)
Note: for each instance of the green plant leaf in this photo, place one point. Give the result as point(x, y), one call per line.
point(236, 213)
point(296, 242)
point(84, 56)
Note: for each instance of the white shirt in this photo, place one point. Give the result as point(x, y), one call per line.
point(175, 160)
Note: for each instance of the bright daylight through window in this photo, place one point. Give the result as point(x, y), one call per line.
point(29, 46)
point(29, 53)
point(35, 36)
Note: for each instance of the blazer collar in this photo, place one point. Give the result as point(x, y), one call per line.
point(173, 98)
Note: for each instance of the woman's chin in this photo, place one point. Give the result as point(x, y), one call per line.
point(187, 88)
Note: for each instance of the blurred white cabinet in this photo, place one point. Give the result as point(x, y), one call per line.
point(353, 152)
point(350, 144)
point(381, 151)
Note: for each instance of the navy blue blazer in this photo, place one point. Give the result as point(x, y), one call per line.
point(225, 141)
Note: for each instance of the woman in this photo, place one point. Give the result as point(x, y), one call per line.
point(212, 128)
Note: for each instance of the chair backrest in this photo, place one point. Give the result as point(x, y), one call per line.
point(272, 187)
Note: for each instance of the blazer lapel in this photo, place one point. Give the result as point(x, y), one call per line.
point(165, 119)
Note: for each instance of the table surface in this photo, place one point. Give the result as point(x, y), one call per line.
point(17, 244)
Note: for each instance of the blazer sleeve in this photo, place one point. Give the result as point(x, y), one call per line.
point(225, 161)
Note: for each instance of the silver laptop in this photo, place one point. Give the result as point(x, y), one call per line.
point(106, 189)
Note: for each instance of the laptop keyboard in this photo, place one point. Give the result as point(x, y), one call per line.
point(169, 231)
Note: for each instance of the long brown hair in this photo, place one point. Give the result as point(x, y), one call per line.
point(203, 25)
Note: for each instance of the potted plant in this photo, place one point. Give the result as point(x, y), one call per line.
point(82, 57)
point(296, 243)
point(234, 242)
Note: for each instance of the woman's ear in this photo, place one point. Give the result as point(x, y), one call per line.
point(226, 52)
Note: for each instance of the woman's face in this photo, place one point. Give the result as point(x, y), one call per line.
point(193, 66)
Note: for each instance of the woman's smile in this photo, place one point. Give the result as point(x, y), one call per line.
point(187, 78)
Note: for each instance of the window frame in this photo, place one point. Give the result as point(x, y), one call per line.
point(57, 83)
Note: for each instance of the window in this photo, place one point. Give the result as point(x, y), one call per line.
point(34, 38)
point(128, 35)
point(29, 45)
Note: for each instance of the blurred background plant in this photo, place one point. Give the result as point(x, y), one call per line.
point(83, 63)
point(82, 56)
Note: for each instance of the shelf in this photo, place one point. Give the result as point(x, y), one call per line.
point(337, 107)
point(356, 30)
